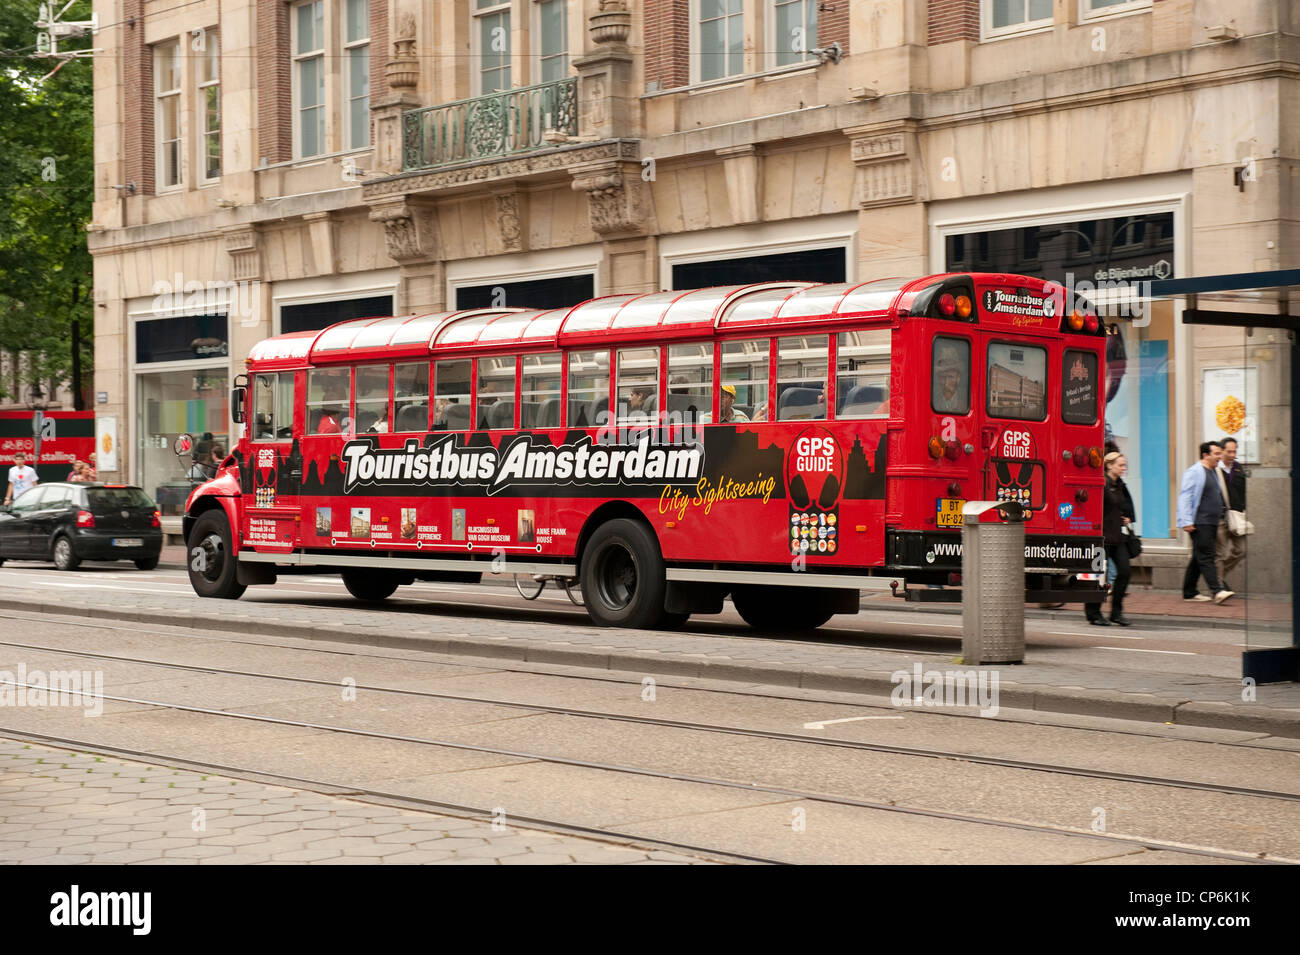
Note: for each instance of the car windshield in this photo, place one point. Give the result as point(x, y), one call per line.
point(118, 497)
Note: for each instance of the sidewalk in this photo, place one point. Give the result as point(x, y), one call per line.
point(1164, 608)
point(68, 808)
point(1062, 677)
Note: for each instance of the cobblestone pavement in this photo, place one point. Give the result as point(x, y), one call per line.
point(58, 807)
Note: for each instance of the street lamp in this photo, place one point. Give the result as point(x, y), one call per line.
point(36, 401)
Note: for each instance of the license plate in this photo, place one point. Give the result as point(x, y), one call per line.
point(128, 542)
point(948, 510)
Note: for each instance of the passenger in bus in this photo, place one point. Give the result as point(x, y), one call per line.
point(948, 397)
point(636, 398)
point(728, 413)
point(380, 425)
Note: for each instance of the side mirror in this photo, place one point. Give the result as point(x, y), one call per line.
point(238, 397)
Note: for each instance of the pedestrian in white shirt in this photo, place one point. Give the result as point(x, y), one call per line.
point(21, 478)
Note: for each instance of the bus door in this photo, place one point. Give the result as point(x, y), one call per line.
point(954, 402)
point(1014, 433)
point(275, 459)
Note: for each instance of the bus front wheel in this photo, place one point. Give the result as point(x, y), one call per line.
point(623, 580)
point(212, 565)
point(783, 608)
point(371, 586)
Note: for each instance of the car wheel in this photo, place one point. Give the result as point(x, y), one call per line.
point(65, 558)
point(783, 608)
point(371, 586)
point(147, 563)
point(212, 566)
point(623, 580)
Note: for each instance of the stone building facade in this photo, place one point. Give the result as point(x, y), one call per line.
point(404, 156)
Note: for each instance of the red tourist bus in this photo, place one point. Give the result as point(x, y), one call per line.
point(785, 444)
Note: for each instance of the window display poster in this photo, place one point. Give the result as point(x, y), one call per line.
point(106, 443)
point(1229, 408)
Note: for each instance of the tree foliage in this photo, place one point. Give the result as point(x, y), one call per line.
point(46, 190)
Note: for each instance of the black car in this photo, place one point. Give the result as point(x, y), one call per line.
point(69, 523)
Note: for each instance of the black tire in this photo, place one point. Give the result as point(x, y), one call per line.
point(623, 580)
point(64, 554)
point(371, 586)
point(783, 609)
point(211, 561)
point(146, 563)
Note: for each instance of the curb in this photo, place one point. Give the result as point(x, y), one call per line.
point(1074, 701)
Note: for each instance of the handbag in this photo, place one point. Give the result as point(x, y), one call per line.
point(1132, 541)
point(1238, 526)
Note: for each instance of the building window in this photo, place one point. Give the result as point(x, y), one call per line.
point(720, 38)
point(209, 108)
point(794, 30)
point(492, 45)
point(1101, 8)
point(309, 78)
point(357, 56)
point(1011, 16)
point(552, 27)
point(171, 403)
point(167, 116)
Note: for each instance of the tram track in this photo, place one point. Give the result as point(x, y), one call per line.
point(688, 725)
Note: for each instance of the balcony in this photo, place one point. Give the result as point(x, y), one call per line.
point(488, 127)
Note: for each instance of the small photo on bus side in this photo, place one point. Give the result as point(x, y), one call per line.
point(527, 532)
point(408, 523)
point(324, 521)
point(360, 522)
point(458, 523)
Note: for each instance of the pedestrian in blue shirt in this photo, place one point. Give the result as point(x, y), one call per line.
point(1201, 508)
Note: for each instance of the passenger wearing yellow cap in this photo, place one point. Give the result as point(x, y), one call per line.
point(727, 413)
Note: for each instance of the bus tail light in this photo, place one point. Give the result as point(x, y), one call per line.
point(947, 304)
point(936, 447)
point(954, 489)
point(952, 450)
point(1091, 323)
point(1075, 321)
point(1080, 456)
point(963, 306)
point(85, 519)
point(1094, 457)
point(1081, 495)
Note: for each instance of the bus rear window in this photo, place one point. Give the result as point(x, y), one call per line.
point(1079, 387)
point(950, 376)
point(1017, 381)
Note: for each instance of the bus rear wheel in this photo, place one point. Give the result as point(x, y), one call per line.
point(369, 585)
point(623, 580)
point(212, 566)
point(783, 608)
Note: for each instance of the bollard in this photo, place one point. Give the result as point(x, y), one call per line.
point(993, 582)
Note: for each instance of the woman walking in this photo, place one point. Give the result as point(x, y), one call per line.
point(1117, 514)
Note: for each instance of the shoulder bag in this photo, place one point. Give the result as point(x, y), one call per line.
point(1238, 526)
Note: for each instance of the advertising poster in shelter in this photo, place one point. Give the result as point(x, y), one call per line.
point(1228, 408)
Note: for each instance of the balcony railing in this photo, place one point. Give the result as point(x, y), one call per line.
point(498, 124)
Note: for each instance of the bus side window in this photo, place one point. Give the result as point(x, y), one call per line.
point(862, 374)
point(372, 399)
point(690, 383)
point(411, 397)
point(744, 367)
point(801, 367)
point(328, 400)
point(273, 407)
point(950, 376)
point(588, 389)
point(451, 396)
point(637, 385)
point(539, 391)
point(495, 399)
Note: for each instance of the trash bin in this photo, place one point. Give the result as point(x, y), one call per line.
point(993, 582)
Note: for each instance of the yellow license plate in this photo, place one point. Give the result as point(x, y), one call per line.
point(949, 511)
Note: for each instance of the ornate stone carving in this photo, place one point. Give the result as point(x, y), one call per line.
point(612, 24)
point(509, 221)
point(245, 255)
point(885, 163)
point(410, 231)
point(613, 199)
point(403, 70)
